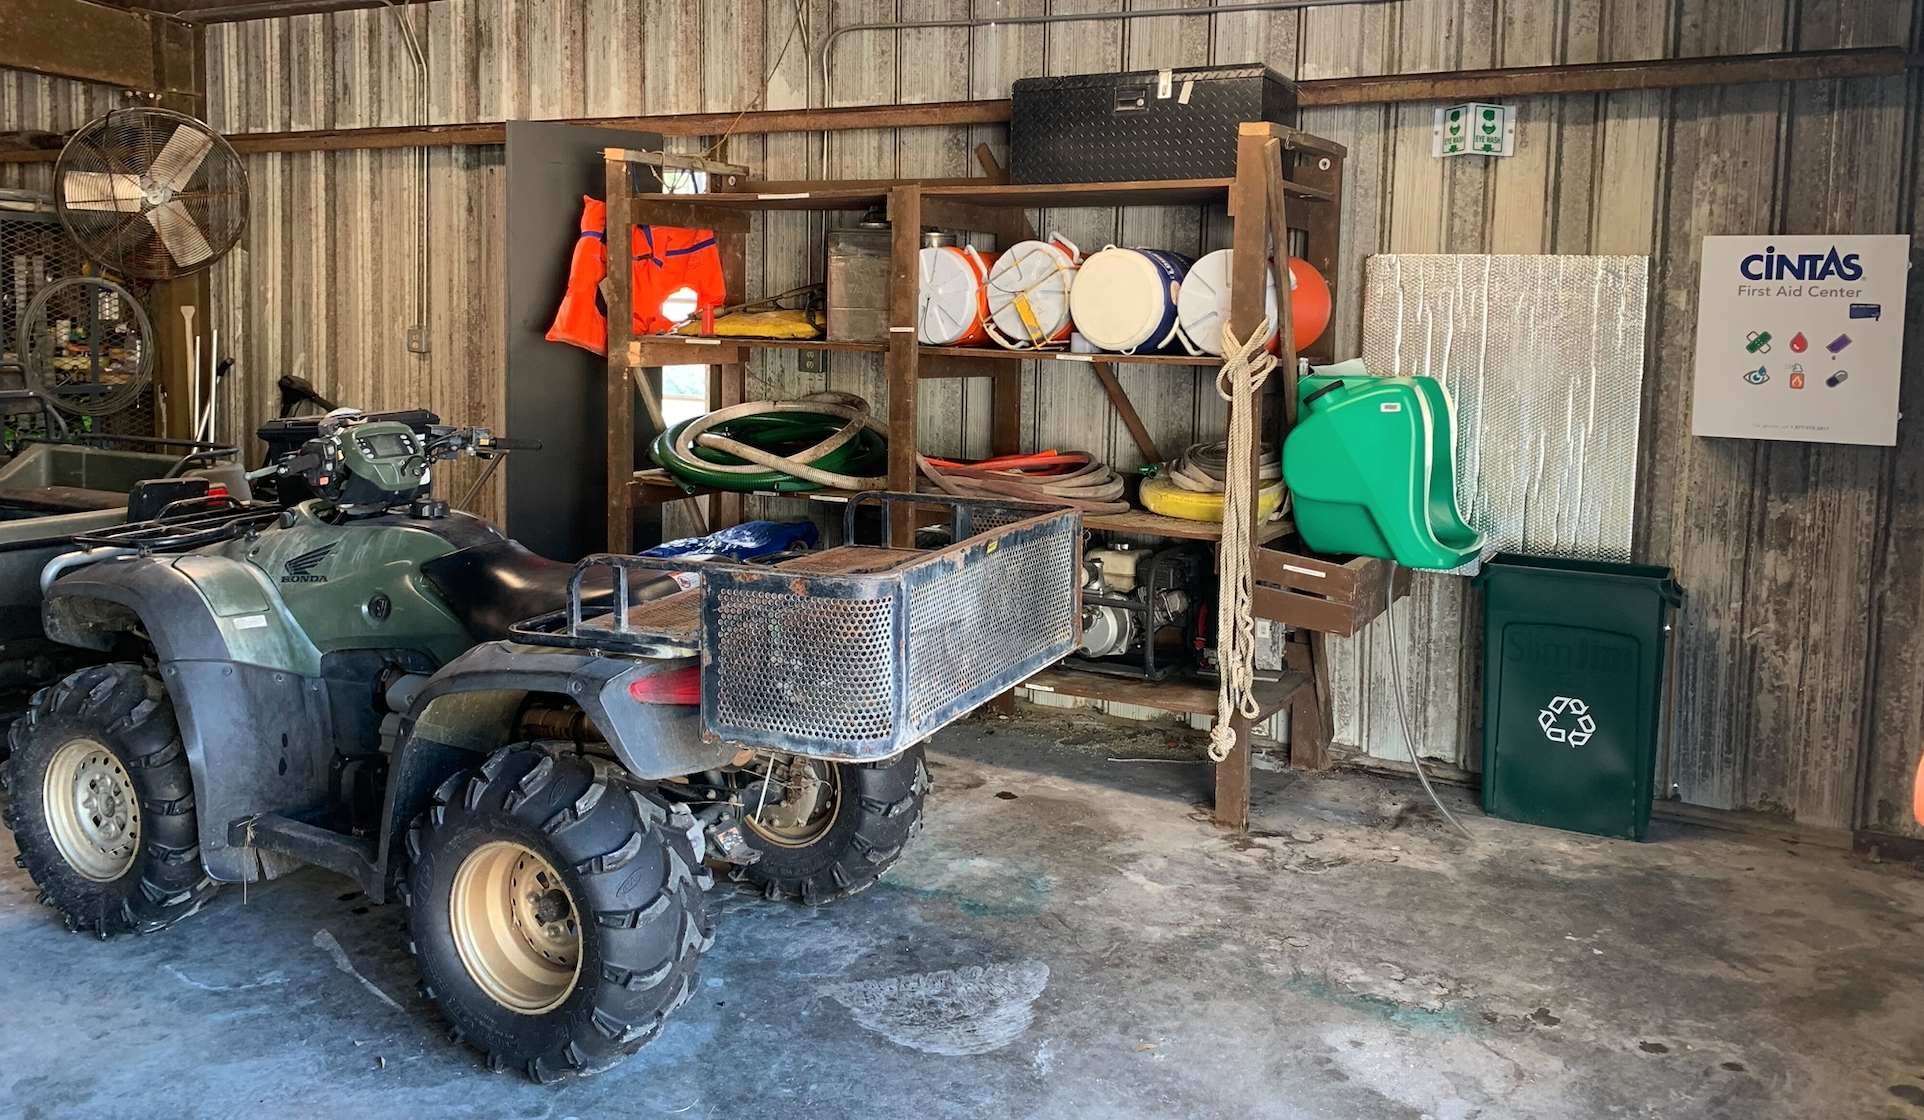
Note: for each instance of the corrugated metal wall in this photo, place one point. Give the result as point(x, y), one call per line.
point(29, 101)
point(1802, 561)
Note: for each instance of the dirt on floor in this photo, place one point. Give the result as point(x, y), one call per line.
point(1071, 936)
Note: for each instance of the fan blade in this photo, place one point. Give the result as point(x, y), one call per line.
point(180, 158)
point(184, 240)
point(98, 190)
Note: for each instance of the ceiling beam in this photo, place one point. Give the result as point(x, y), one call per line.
point(1445, 86)
point(234, 11)
point(93, 43)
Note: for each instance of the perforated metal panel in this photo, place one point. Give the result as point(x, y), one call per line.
point(805, 666)
point(969, 624)
point(865, 665)
point(1543, 356)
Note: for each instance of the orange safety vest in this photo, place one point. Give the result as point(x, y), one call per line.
point(668, 259)
point(665, 260)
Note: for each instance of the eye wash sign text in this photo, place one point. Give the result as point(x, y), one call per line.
point(1801, 338)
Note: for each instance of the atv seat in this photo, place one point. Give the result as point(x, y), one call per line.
point(493, 586)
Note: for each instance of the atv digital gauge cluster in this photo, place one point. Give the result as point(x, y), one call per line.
point(368, 466)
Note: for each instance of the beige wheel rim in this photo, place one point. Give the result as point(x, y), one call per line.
point(804, 809)
point(92, 810)
point(516, 928)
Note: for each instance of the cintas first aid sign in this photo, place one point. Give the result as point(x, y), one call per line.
point(1801, 338)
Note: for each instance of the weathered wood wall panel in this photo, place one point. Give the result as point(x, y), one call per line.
point(1798, 682)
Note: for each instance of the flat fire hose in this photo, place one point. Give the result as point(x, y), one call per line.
point(1071, 478)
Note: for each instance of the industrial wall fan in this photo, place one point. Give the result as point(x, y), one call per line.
point(151, 193)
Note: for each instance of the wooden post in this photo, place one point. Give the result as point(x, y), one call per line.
point(621, 329)
point(1273, 173)
point(1249, 202)
point(180, 84)
point(729, 380)
point(905, 220)
point(1005, 412)
point(1321, 167)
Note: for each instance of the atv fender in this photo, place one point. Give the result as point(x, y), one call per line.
point(246, 686)
point(473, 706)
point(653, 741)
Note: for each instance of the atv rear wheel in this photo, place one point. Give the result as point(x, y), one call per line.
point(827, 830)
point(101, 803)
point(555, 910)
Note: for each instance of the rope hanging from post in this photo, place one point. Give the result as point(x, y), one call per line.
point(1240, 379)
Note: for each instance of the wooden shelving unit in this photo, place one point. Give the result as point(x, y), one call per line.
point(1286, 180)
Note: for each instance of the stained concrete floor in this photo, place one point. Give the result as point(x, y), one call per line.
point(1071, 938)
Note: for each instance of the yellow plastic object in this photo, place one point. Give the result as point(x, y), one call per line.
point(758, 324)
point(1159, 495)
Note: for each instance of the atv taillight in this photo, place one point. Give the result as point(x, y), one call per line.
point(676, 686)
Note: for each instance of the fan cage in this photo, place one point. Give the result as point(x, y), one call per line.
point(114, 153)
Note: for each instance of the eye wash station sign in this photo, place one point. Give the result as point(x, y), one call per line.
point(1801, 338)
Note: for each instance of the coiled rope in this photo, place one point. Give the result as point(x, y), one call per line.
point(1238, 381)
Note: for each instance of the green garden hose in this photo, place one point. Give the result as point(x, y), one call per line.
point(826, 439)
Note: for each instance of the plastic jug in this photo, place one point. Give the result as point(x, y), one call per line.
point(1371, 465)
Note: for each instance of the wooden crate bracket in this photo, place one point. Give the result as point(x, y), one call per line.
point(1324, 594)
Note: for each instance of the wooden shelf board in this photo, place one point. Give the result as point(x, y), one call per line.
point(1196, 698)
point(1164, 192)
point(709, 342)
point(997, 353)
point(654, 486)
point(823, 196)
point(1141, 521)
point(828, 195)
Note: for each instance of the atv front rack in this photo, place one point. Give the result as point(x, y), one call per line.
point(180, 526)
point(856, 652)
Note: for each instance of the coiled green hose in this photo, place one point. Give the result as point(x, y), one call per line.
point(783, 446)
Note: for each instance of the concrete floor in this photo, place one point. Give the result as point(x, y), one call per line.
point(1071, 938)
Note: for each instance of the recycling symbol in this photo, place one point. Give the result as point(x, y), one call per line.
point(1556, 721)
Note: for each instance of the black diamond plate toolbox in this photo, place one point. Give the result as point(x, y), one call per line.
point(1155, 124)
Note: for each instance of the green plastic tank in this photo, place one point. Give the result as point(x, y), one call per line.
point(1371, 467)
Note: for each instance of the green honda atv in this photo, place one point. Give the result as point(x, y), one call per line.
point(540, 761)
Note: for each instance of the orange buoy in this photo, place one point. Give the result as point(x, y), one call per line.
point(1308, 302)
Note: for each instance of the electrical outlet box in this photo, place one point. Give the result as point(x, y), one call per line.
point(811, 361)
point(417, 340)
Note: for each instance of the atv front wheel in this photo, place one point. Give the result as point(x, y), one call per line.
point(555, 912)
point(101, 803)
point(827, 830)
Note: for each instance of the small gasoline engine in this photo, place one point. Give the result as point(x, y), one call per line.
point(1130, 596)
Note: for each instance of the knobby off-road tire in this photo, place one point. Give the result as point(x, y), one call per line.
point(831, 851)
point(101, 803)
point(555, 910)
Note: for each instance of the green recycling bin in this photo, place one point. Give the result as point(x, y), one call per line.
point(1573, 656)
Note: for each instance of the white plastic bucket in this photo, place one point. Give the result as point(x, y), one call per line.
point(1203, 305)
point(1125, 299)
point(952, 302)
point(1028, 293)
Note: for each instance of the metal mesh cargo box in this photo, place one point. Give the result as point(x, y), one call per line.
point(1151, 124)
point(858, 652)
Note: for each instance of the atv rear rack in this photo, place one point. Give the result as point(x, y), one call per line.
point(855, 652)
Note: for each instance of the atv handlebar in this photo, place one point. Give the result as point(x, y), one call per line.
point(502, 443)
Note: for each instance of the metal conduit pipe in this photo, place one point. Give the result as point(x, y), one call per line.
point(835, 35)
